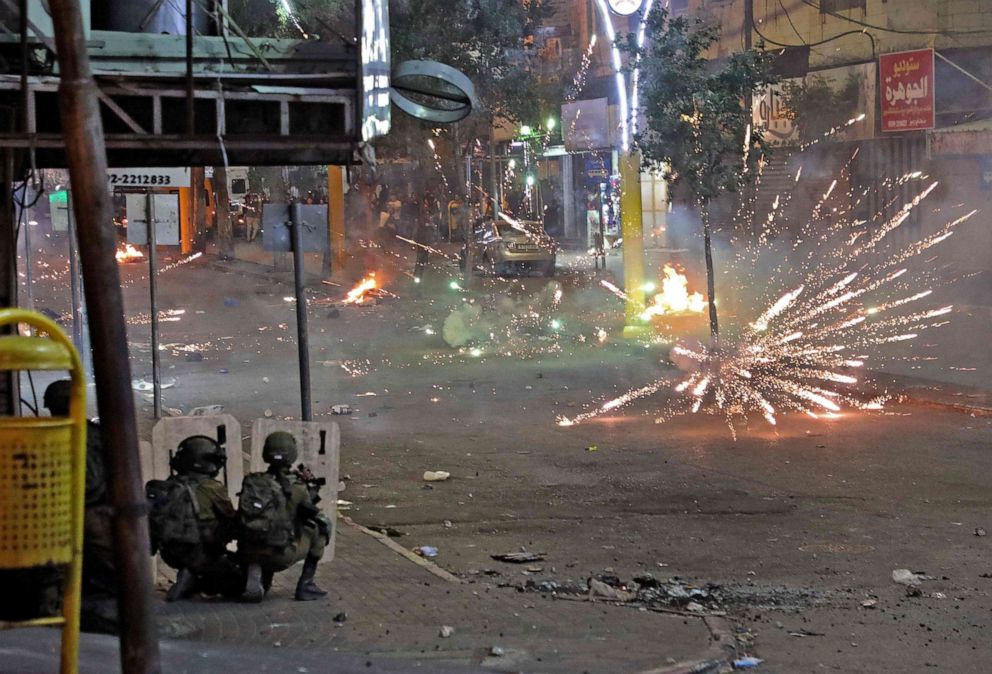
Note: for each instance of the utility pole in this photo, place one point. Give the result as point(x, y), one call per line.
point(86, 153)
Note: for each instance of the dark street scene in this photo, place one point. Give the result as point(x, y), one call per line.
point(495, 336)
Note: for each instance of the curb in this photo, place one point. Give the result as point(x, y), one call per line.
point(961, 408)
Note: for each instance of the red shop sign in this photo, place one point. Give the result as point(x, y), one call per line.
point(906, 88)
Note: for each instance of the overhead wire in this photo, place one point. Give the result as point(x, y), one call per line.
point(885, 29)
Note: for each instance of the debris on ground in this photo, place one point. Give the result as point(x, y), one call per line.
point(340, 617)
point(436, 475)
point(497, 652)
point(427, 551)
point(206, 411)
point(592, 448)
point(598, 588)
point(522, 557)
point(446, 631)
point(648, 592)
point(907, 577)
point(194, 357)
point(980, 531)
point(747, 663)
point(805, 633)
point(869, 603)
point(231, 302)
point(341, 410)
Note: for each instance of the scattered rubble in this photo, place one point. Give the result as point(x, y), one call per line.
point(436, 475)
point(446, 631)
point(427, 551)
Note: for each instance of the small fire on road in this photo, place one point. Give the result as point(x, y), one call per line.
point(675, 297)
point(129, 254)
point(360, 292)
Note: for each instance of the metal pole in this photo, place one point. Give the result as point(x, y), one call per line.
point(153, 300)
point(28, 272)
point(302, 332)
point(86, 153)
point(77, 323)
point(190, 95)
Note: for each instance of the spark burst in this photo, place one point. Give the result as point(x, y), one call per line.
point(803, 351)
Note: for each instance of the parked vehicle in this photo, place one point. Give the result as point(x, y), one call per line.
point(501, 247)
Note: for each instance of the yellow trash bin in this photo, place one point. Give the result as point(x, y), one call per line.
point(43, 474)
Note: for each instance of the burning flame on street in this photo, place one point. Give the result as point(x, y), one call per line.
point(357, 295)
point(129, 254)
point(675, 297)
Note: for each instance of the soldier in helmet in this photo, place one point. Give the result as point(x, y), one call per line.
point(192, 520)
point(280, 523)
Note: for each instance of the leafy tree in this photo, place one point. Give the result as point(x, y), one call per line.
point(696, 118)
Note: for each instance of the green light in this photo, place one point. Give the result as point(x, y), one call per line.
point(525, 130)
point(552, 123)
point(555, 324)
point(61, 197)
point(530, 180)
point(454, 285)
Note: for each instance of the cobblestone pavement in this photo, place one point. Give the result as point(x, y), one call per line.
point(396, 609)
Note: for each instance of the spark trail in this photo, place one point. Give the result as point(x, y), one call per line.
point(804, 351)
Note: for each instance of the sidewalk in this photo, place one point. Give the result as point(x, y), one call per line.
point(928, 393)
point(395, 609)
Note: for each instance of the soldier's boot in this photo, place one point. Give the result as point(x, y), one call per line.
point(306, 589)
point(267, 580)
point(254, 592)
point(183, 587)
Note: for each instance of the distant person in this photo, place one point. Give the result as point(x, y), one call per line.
point(192, 519)
point(280, 523)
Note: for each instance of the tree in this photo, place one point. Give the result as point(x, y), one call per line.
point(697, 126)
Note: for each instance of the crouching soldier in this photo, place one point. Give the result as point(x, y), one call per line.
point(280, 523)
point(192, 519)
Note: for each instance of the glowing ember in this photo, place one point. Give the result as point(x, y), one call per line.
point(129, 254)
point(675, 297)
point(358, 294)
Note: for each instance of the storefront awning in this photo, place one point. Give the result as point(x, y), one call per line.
point(970, 138)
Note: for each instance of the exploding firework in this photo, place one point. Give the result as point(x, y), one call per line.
point(804, 352)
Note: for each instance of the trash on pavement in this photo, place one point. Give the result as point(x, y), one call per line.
point(869, 603)
point(341, 409)
point(979, 531)
point(436, 475)
point(497, 651)
point(907, 577)
point(805, 633)
point(523, 557)
point(446, 631)
point(231, 302)
point(747, 663)
point(194, 357)
point(428, 551)
point(592, 448)
point(340, 617)
point(598, 588)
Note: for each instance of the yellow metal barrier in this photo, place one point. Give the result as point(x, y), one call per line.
point(43, 475)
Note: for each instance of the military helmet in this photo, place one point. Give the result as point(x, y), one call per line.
point(199, 454)
point(57, 397)
point(280, 449)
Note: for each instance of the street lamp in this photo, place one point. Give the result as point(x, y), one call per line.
point(630, 160)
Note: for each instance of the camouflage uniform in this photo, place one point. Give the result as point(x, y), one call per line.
point(203, 566)
point(311, 528)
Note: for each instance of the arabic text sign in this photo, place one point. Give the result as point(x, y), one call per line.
point(906, 90)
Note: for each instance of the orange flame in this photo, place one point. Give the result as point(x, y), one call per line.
point(675, 297)
point(357, 294)
point(129, 253)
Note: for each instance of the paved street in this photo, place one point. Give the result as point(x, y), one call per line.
point(802, 525)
